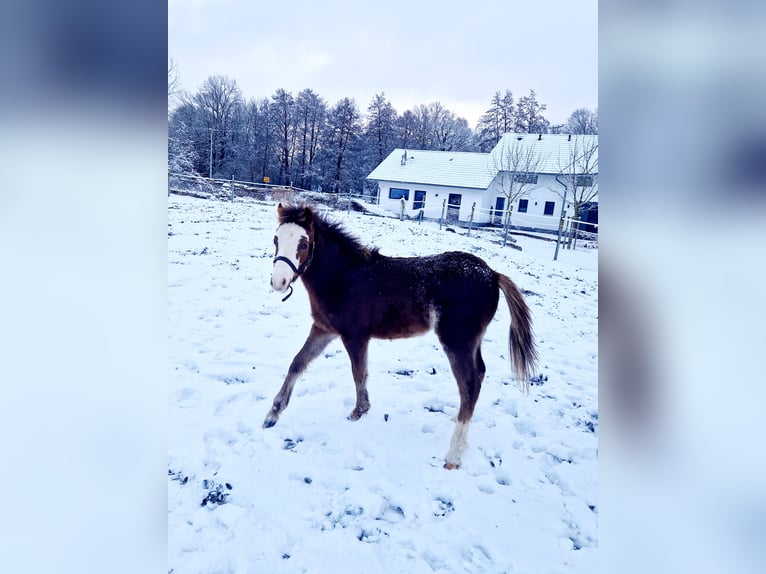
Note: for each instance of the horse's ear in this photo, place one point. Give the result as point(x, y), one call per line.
point(307, 216)
point(280, 210)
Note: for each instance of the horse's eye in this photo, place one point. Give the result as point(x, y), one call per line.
point(303, 246)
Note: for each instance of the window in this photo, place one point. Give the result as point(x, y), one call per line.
point(549, 205)
point(419, 201)
point(525, 177)
point(523, 203)
point(396, 193)
point(584, 181)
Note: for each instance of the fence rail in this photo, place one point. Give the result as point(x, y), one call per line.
point(228, 189)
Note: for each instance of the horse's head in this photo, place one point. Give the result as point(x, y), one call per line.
point(293, 244)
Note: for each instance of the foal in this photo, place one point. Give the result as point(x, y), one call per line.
point(357, 294)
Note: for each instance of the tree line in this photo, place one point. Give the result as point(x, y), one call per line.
point(304, 141)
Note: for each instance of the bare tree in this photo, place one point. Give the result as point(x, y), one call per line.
point(450, 133)
point(406, 126)
point(175, 93)
point(423, 127)
point(516, 164)
point(310, 112)
point(579, 172)
point(218, 100)
point(342, 129)
point(582, 121)
point(173, 79)
point(284, 117)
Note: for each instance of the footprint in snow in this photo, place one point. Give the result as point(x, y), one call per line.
point(476, 559)
point(442, 507)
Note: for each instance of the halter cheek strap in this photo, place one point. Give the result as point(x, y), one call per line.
point(297, 270)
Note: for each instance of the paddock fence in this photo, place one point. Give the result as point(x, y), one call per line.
point(565, 230)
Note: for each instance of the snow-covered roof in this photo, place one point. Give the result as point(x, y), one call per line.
point(555, 151)
point(477, 170)
point(454, 169)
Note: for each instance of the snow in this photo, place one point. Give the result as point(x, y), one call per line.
point(318, 493)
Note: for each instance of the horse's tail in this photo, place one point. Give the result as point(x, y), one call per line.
point(521, 344)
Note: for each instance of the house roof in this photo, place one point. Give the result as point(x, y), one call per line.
point(477, 170)
point(555, 151)
point(453, 169)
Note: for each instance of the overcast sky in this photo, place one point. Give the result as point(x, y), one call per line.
point(416, 52)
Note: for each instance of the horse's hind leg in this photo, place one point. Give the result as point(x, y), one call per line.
point(468, 368)
point(357, 352)
point(315, 343)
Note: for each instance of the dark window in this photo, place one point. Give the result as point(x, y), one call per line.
point(523, 203)
point(525, 177)
point(549, 205)
point(396, 193)
point(419, 201)
point(499, 206)
point(584, 181)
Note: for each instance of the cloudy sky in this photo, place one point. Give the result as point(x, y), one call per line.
point(416, 52)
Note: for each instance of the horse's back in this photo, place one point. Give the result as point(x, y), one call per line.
point(456, 290)
point(465, 294)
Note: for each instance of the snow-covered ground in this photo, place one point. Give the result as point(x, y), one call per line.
point(318, 493)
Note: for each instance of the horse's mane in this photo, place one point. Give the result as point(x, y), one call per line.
point(333, 230)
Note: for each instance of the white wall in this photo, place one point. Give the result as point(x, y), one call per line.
point(536, 195)
point(435, 196)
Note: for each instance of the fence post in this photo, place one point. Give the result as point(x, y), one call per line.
point(470, 221)
point(507, 224)
point(401, 215)
point(231, 191)
point(348, 203)
point(558, 239)
point(441, 219)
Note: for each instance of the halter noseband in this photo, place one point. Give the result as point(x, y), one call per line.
point(300, 270)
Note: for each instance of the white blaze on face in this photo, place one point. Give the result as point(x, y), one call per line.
point(291, 242)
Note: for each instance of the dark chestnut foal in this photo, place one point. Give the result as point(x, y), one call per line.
point(357, 294)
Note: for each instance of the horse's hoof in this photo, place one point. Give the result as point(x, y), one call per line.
point(269, 422)
point(357, 413)
point(451, 465)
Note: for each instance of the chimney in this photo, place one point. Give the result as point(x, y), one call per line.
point(539, 137)
point(569, 139)
point(404, 157)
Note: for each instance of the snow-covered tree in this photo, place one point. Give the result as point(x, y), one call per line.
point(582, 121)
point(342, 131)
point(217, 101)
point(283, 116)
point(310, 110)
point(496, 121)
point(380, 129)
point(529, 115)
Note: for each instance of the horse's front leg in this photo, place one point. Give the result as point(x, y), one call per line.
point(357, 352)
point(315, 343)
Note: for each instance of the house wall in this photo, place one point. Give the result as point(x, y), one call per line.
point(536, 195)
point(435, 196)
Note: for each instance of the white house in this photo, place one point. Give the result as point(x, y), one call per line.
point(541, 167)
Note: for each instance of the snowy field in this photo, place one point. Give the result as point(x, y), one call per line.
point(318, 493)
